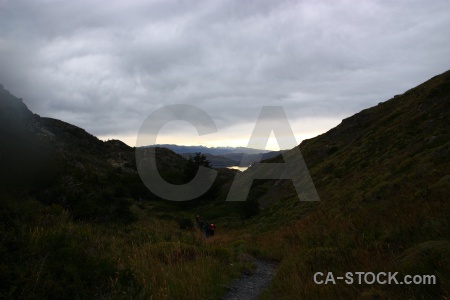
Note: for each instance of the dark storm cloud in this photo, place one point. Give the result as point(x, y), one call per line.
point(106, 66)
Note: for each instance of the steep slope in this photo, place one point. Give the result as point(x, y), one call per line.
point(75, 223)
point(62, 164)
point(403, 142)
point(22, 153)
point(383, 177)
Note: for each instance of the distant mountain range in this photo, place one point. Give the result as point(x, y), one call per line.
point(210, 150)
point(221, 157)
point(382, 176)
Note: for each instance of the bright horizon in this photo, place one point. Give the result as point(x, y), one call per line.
point(114, 64)
point(189, 137)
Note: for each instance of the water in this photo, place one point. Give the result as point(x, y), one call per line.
point(242, 169)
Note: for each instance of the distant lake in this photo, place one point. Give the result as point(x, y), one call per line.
point(242, 169)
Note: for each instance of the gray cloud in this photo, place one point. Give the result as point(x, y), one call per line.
point(106, 66)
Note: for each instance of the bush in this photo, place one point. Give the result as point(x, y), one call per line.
point(250, 208)
point(186, 224)
point(224, 255)
point(174, 253)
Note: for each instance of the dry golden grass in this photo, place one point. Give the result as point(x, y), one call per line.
point(150, 259)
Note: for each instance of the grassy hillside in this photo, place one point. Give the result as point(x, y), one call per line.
point(77, 222)
point(46, 254)
point(383, 176)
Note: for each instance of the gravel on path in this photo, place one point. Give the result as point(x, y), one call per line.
point(250, 286)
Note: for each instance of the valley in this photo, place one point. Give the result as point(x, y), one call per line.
point(77, 222)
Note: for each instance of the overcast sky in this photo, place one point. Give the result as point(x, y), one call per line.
point(106, 66)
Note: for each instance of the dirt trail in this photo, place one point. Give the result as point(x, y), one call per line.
point(251, 286)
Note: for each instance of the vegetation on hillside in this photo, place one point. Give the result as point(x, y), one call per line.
point(46, 254)
point(77, 222)
point(383, 179)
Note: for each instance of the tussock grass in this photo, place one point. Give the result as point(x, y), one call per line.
point(409, 237)
point(56, 257)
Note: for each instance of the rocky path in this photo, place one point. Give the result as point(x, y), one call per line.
point(251, 286)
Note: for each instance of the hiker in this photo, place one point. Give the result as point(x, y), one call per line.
point(212, 228)
point(201, 223)
point(207, 230)
point(198, 220)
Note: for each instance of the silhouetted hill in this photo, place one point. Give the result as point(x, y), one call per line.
point(234, 159)
point(217, 161)
point(75, 217)
point(248, 159)
point(180, 149)
point(60, 163)
point(383, 177)
point(68, 136)
point(386, 143)
point(22, 153)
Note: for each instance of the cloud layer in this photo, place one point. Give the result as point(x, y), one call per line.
point(106, 66)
